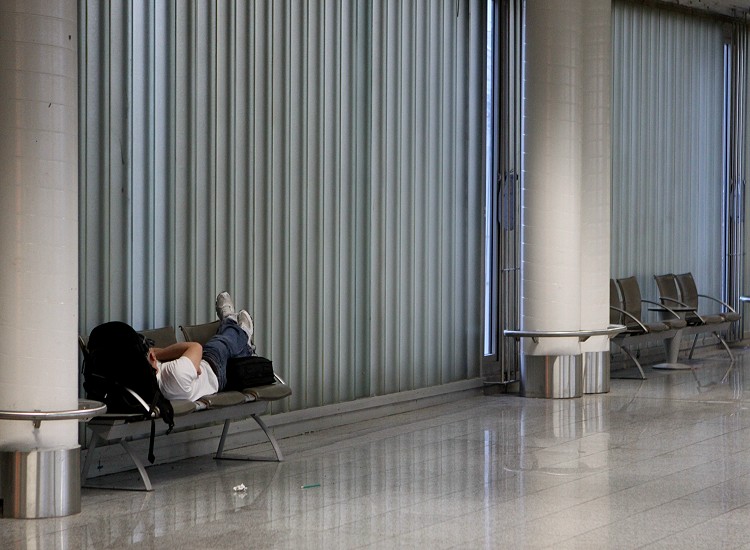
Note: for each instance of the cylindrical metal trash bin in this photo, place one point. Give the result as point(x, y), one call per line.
point(596, 372)
point(551, 376)
point(40, 483)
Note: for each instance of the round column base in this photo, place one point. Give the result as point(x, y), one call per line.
point(40, 483)
point(551, 376)
point(596, 372)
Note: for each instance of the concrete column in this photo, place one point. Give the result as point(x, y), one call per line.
point(565, 225)
point(38, 220)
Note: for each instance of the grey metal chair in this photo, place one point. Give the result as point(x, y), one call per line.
point(633, 304)
point(200, 333)
point(690, 296)
point(685, 301)
point(629, 315)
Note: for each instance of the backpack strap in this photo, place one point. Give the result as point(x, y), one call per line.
point(151, 456)
point(153, 412)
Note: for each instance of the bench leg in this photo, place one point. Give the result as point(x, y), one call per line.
point(220, 449)
point(270, 437)
point(721, 341)
point(692, 348)
point(138, 464)
point(632, 358)
point(726, 346)
point(89, 458)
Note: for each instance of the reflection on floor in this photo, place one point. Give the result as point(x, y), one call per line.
point(658, 463)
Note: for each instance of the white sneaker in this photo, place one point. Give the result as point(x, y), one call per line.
point(246, 323)
point(225, 306)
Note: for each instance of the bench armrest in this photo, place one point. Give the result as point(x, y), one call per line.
point(663, 307)
point(726, 305)
point(631, 316)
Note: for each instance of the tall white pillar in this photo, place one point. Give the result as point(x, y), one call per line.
point(38, 220)
point(565, 198)
point(596, 190)
point(551, 198)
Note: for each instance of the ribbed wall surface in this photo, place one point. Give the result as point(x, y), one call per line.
point(320, 160)
point(667, 147)
point(735, 134)
point(747, 110)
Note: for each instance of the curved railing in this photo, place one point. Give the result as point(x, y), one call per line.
point(611, 331)
point(87, 409)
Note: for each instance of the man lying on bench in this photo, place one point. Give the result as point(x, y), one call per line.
point(187, 370)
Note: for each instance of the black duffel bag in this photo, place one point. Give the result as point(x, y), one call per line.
point(249, 372)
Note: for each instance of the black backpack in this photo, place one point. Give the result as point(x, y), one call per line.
point(116, 371)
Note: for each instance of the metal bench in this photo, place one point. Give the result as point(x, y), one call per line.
point(226, 407)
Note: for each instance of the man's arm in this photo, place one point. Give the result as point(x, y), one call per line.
point(191, 350)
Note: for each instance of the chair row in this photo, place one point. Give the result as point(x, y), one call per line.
point(678, 309)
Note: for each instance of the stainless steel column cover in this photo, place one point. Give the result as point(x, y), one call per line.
point(40, 483)
point(596, 366)
point(551, 376)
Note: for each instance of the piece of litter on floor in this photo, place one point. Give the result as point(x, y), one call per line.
point(239, 488)
point(312, 485)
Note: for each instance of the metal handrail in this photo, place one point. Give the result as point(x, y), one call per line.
point(87, 409)
point(582, 335)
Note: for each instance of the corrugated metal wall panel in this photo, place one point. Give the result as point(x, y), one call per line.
point(667, 153)
point(735, 132)
point(321, 160)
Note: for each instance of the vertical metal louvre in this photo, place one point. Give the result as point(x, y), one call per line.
point(502, 366)
point(320, 160)
point(734, 173)
point(667, 146)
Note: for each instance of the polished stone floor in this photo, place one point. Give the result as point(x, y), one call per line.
point(660, 463)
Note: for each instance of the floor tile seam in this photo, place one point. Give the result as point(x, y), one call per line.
point(343, 432)
point(700, 442)
point(397, 472)
point(672, 534)
point(537, 520)
point(724, 512)
point(644, 511)
point(378, 490)
point(302, 456)
point(707, 442)
point(405, 475)
point(431, 450)
point(349, 443)
point(683, 401)
point(387, 421)
point(206, 515)
point(387, 427)
point(582, 422)
point(684, 425)
point(336, 505)
point(294, 457)
point(423, 524)
point(643, 444)
point(576, 480)
point(703, 462)
point(570, 440)
point(611, 494)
